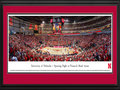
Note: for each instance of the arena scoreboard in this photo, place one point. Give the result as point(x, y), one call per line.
point(57, 24)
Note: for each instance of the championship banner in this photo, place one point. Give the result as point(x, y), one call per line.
point(30, 26)
point(11, 22)
point(36, 27)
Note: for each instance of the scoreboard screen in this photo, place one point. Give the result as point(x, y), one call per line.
point(57, 24)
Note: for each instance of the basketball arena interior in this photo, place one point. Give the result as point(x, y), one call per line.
point(59, 38)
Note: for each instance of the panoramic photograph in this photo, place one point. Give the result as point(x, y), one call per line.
point(60, 38)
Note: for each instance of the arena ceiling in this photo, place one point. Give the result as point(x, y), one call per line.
point(38, 19)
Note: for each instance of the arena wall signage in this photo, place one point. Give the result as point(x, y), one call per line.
point(62, 52)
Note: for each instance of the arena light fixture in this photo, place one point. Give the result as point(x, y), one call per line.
point(43, 22)
point(74, 22)
point(66, 20)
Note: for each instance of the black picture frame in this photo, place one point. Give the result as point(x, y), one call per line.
point(59, 3)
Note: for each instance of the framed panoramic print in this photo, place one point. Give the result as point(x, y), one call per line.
point(58, 43)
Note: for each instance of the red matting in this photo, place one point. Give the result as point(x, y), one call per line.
point(60, 78)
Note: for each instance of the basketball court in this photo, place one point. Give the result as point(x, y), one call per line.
point(59, 50)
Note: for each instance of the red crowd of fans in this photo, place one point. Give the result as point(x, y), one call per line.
point(95, 47)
